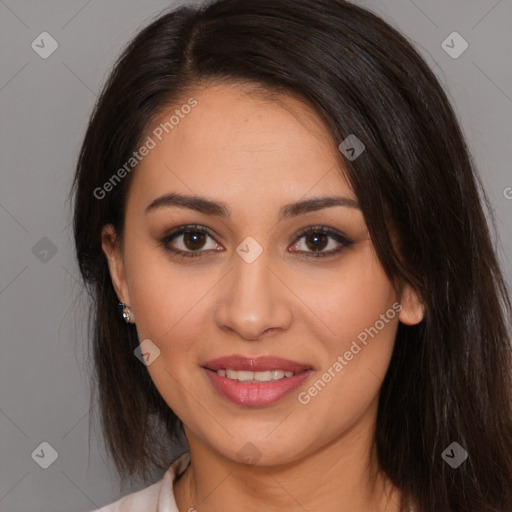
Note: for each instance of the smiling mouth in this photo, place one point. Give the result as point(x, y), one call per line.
point(252, 377)
point(261, 368)
point(255, 381)
point(260, 388)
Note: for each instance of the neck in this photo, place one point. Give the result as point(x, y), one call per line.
point(342, 476)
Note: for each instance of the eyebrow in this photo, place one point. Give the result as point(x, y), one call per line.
point(220, 209)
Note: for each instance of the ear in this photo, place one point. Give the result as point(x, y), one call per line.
point(112, 249)
point(413, 309)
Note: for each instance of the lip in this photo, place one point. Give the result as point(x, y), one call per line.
point(256, 394)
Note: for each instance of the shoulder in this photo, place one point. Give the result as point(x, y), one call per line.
point(140, 500)
point(153, 496)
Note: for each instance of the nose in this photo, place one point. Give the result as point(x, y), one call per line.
point(254, 301)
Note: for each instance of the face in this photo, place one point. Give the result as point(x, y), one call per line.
point(252, 278)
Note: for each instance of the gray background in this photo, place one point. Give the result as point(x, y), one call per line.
point(45, 105)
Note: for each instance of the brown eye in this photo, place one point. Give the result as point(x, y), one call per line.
point(189, 241)
point(318, 241)
point(194, 240)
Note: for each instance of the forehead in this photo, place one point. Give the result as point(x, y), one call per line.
point(239, 141)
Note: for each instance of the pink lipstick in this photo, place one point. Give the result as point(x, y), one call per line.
point(255, 381)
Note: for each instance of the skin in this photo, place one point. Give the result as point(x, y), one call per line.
point(256, 153)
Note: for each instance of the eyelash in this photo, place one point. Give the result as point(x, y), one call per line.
point(338, 237)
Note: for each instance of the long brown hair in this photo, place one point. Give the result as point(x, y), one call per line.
point(450, 377)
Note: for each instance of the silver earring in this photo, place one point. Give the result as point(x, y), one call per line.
point(126, 312)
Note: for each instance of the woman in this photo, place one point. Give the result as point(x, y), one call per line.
point(280, 198)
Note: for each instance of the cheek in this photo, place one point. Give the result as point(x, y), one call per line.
point(357, 322)
point(161, 292)
point(345, 307)
point(169, 307)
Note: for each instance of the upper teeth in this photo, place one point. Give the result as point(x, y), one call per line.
point(244, 376)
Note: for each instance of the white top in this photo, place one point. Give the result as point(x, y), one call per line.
point(158, 497)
